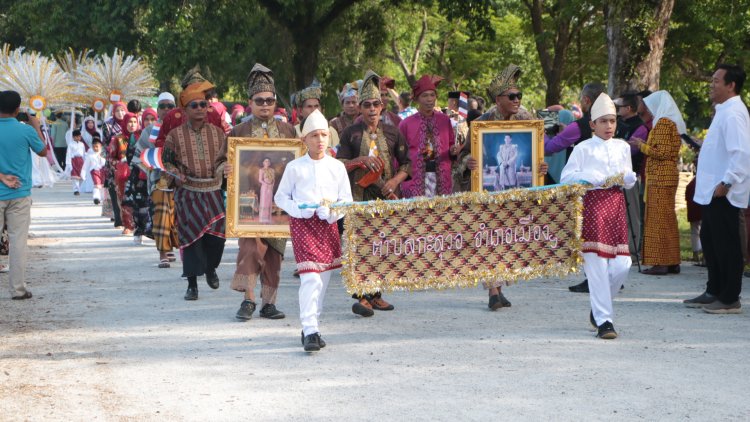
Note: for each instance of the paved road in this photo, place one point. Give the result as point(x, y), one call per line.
point(107, 336)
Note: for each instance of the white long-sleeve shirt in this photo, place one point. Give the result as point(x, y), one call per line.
point(93, 161)
point(725, 155)
point(594, 160)
point(308, 181)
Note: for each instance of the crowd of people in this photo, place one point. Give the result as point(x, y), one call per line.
point(381, 147)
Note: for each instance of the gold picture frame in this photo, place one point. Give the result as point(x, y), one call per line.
point(249, 212)
point(525, 153)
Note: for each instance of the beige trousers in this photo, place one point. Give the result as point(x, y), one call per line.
point(16, 213)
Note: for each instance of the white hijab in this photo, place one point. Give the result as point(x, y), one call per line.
point(662, 106)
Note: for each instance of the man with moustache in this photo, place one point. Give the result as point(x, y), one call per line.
point(349, 107)
point(260, 256)
point(372, 146)
point(307, 101)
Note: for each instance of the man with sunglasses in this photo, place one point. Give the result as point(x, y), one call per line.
point(507, 94)
point(349, 107)
point(371, 148)
point(194, 153)
point(260, 256)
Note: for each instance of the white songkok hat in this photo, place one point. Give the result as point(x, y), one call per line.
point(315, 121)
point(165, 96)
point(603, 106)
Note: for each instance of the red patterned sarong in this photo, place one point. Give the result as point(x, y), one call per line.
point(605, 228)
point(97, 177)
point(77, 164)
point(316, 244)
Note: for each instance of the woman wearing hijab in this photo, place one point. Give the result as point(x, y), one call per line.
point(136, 188)
point(661, 238)
point(111, 129)
point(121, 151)
point(89, 130)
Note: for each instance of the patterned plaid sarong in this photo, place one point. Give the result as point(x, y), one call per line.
point(198, 213)
point(164, 227)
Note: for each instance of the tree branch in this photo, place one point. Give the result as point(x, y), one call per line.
point(400, 60)
point(418, 48)
point(338, 7)
point(275, 11)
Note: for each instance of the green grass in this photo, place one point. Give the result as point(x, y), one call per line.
point(686, 250)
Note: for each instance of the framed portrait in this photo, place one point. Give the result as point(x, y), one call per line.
point(508, 153)
point(257, 167)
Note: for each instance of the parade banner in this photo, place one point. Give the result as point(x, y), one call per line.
point(463, 239)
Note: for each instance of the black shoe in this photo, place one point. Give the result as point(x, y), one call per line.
point(592, 320)
point(191, 293)
point(698, 302)
point(97, 202)
point(495, 303)
point(606, 331)
point(246, 310)
point(312, 342)
point(321, 342)
point(77, 193)
point(24, 296)
point(212, 279)
point(582, 287)
point(673, 269)
point(506, 303)
point(269, 311)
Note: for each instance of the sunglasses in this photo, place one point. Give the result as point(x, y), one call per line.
point(513, 96)
point(197, 104)
point(367, 104)
point(163, 106)
point(264, 101)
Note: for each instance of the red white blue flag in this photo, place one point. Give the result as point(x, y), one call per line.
point(151, 158)
point(463, 105)
point(154, 132)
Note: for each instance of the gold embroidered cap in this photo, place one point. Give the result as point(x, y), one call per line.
point(311, 92)
point(370, 87)
point(506, 80)
point(260, 79)
point(195, 75)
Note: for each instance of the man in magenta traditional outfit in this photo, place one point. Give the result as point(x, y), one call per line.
point(429, 136)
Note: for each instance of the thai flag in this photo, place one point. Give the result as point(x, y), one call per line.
point(154, 132)
point(151, 158)
point(463, 105)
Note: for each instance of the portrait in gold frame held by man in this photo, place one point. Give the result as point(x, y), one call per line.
point(508, 154)
point(257, 167)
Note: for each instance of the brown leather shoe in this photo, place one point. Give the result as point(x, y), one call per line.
point(363, 308)
point(381, 305)
point(656, 270)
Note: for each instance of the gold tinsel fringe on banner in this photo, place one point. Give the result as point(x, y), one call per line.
point(382, 209)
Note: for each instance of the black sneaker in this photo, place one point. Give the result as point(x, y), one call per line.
point(321, 342)
point(246, 310)
point(312, 342)
point(269, 311)
point(606, 331)
point(191, 293)
point(698, 302)
point(212, 279)
point(582, 287)
point(97, 202)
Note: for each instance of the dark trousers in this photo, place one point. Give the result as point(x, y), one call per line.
point(115, 204)
point(202, 256)
point(720, 237)
point(60, 153)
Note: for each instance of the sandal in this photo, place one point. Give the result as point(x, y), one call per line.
point(164, 263)
point(171, 256)
point(4, 268)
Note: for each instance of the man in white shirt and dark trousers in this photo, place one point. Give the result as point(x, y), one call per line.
point(722, 188)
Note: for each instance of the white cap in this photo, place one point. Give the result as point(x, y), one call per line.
point(165, 96)
point(603, 106)
point(315, 121)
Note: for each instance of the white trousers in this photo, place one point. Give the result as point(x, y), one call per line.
point(605, 276)
point(312, 290)
point(97, 193)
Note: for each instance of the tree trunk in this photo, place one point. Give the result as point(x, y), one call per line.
point(620, 57)
point(649, 69)
point(305, 58)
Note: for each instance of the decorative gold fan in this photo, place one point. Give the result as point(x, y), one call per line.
point(115, 78)
point(38, 79)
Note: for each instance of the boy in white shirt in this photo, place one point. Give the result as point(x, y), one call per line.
point(606, 255)
point(93, 166)
point(315, 178)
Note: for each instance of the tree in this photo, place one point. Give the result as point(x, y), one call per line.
point(567, 18)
